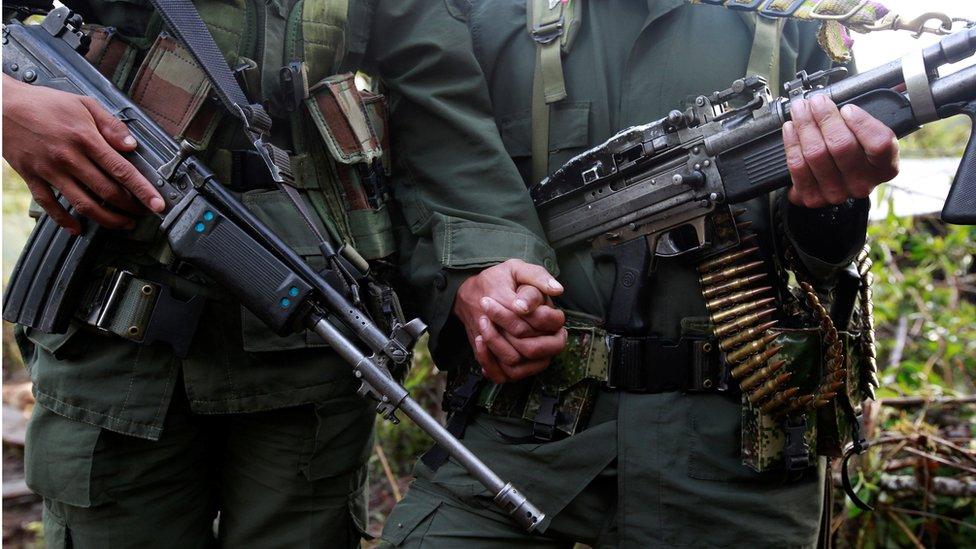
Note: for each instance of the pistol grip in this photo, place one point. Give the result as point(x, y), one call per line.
point(960, 206)
point(632, 261)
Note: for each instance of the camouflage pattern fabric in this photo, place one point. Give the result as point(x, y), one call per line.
point(572, 379)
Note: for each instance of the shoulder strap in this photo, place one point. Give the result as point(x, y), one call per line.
point(183, 19)
point(553, 25)
point(765, 57)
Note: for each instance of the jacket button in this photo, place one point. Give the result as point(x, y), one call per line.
point(549, 264)
point(440, 281)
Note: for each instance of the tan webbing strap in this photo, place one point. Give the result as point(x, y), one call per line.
point(765, 57)
point(546, 25)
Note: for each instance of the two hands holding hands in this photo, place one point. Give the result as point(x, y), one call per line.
point(507, 311)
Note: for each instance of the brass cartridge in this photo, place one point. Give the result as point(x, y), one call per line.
point(728, 273)
point(763, 373)
point(726, 259)
point(743, 322)
point(755, 361)
point(738, 297)
point(732, 285)
point(732, 342)
point(779, 400)
point(753, 346)
point(739, 310)
point(767, 388)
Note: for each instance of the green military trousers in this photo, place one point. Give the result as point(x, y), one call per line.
point(650, 471)
point(104, 490)
point(254, 469)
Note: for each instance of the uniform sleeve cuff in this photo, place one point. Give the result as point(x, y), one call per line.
point(464, 249)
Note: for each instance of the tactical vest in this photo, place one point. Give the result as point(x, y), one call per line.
point(285, 54)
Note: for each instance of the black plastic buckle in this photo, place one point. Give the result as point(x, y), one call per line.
point(544, 34)
point(544, 422)
point(373, 177)
point(797, 451)
point(294, 84)
point(174, 321)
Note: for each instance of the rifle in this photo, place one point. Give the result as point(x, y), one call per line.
point(207, 227)
point(663, 189)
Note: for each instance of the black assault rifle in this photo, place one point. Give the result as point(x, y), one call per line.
point(663, 189)
point(207, 227)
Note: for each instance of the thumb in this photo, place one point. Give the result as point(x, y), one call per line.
point(535, 275)
point(115, 132)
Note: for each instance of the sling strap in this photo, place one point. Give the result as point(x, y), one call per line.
point(764, 59)
point(184, 21)
point(553, 25)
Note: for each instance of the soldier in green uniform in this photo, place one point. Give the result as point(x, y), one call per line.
point(136, 445)
point(658, 463)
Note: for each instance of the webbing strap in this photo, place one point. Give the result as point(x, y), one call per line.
point(548, 26)
point(184, 21)
point(765, 57)
point(839, 17)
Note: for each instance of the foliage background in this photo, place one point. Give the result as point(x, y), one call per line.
point(925, 304)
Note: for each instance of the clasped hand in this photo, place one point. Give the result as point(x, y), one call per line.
point(510, 320)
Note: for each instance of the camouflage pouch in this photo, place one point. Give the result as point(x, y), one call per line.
point(764, 439)
point(110, 54)
point(353, 127)
point(827, 429)
point(174, 91)
point(558, 401)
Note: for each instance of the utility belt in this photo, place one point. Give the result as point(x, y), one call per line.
point(144, 309)
point(559, 400)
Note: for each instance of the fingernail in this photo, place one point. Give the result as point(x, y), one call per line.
point(521, 305)
point(484, 372)
point(847, 111)
point(800, 106)
point(157, 204)
point(485, 303)
point(554, 285)
point(483, 323)
point(129, 141)
point(478, 340)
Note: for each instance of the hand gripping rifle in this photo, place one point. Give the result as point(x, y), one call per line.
point(663, 189)
point(209, 228)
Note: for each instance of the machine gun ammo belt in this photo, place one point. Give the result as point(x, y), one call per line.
point(141, 310)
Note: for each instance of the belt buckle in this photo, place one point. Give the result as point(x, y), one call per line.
point(104, 298)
